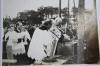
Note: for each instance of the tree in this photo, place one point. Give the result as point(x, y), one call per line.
point(30, 17)
point(41, 11)
point(6, 22)
point(48, 11)
point(65, 12)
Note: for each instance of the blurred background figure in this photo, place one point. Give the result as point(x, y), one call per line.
point(9, 39)
point(31, 30)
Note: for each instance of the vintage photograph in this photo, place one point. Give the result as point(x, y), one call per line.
point(49, 32)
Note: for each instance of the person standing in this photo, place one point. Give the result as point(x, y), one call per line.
point(10, 38)
point(31, 30)
point(56, 34)
point(19, 47)
point(26, 42)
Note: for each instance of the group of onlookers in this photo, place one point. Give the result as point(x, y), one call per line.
point(33, 45)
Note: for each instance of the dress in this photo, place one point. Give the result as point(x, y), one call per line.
point(39, 40)
point(10, 37)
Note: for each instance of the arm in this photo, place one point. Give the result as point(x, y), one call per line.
point(6, 36)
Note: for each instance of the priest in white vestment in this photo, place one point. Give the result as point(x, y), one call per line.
point(38, 45)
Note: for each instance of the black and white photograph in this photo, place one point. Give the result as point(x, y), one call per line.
point(49, 32)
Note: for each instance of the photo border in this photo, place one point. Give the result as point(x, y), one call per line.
point(1, 30)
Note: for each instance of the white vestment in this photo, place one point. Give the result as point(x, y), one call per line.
point(19, 48)
point(11, 38)
point(39, 40)
point(26, 36)
point(56, 34)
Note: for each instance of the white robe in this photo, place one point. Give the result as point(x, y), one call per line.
point(56, 34)
point(17, 48)
point(39, 39)
point(12, 38)
point(11, 35)
point(26, 36)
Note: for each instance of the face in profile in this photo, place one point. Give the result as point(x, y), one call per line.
point(19, 25)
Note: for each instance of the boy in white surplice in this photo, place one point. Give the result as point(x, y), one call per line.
point(18, 48)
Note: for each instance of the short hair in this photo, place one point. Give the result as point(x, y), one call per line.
point(19, 23)
point(48, 23)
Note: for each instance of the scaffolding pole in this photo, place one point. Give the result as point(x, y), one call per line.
point(59, 8)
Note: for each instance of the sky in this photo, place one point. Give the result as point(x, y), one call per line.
point(12, 7)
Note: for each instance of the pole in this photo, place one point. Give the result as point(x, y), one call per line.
point(81, 5)
point(59, 8)
point(74, 3)
point(68, 10)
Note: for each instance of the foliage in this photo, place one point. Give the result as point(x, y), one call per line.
point(6, 22)
point(31, 17)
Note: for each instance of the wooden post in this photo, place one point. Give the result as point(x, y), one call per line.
point(68, 9)
point(74, 3)
point(59, 8)
point(81, 4)
point(94, 4)
point(81, 22)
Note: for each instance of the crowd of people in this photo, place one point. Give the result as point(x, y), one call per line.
point(32, 46)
